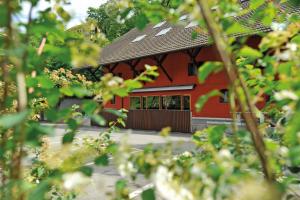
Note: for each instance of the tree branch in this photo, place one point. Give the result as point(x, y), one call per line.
point(239, 87)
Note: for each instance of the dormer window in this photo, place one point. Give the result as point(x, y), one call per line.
point(139, 38)
point(164, 31)
point(183, 17)
point(159, 24)
point(192, 24)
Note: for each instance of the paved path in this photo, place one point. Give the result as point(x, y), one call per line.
point(104, 178)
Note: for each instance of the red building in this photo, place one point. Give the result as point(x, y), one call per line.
point(170, 100)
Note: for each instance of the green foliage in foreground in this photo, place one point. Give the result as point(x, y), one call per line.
point(222, 163)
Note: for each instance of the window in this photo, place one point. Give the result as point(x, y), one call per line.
point(186, 103)
point(164, 31)
point(144, 99)
point(113, 100)
point(192, 24)
point(224, 98)
point(139, 38)
point(135, 103)
point(183, 17)
point(153, 102)
point(159, 24)
point(172, 102)
point(192, 70)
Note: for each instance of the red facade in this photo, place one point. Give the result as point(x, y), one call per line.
point(176, 64)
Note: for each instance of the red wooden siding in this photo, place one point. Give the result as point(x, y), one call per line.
point(176, 65)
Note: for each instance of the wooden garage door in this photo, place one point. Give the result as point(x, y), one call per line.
point(179, 121)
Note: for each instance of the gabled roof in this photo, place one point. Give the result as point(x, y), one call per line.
point(137, 44)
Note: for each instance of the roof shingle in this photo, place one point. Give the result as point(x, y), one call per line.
point(178, 38)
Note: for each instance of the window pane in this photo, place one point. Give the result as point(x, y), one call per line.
point(113, 100)
point(224, 98)
point(153, 102)
point(135, 103)
point(192, 69)
point(172, 102)
point(144, 103)
point(186, 103)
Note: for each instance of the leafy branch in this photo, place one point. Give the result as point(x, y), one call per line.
point(239, 87)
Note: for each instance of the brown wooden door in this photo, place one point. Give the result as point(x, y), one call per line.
point(179, 121)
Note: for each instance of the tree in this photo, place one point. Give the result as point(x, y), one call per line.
point(109, 20)
point(114, 22)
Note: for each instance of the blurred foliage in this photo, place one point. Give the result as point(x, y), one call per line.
point(222, 162)
point(225, 165)
point(36, 55)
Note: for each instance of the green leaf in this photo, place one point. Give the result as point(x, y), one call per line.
point(204, 98)
point(285, 68)
point(215, 134)
point(249, 52)
point(35, 130)
point(208, 68)
point(269, 18)
point(68, 138)
point(11, 120)
point(81, 92)
point(40, 191)
point(254, 4)
point(148, 194)
point(112, 148)
point(141, 21)
point(3, 18)
point(121, 121)
point(99, 120)
point(294, 155)
point(133, 84)
point(102, 160)
point(45, 82)
point(236, 28)
point(121, 184)
point(296, 39)
point(72, 123)
point(118, 113)
point(67, 91)
point(121, 92)
point(88, 171)
point(89, 107)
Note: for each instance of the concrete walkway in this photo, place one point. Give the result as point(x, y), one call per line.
point(104, 178)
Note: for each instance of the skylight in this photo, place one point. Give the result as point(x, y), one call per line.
point(192, 24)
point(164, 31)
point(183, 17)
point(159, 24)
point(139, 38)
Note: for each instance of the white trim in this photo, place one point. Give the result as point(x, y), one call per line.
point(168, 88)
point(216, 121)
point(223, 123)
